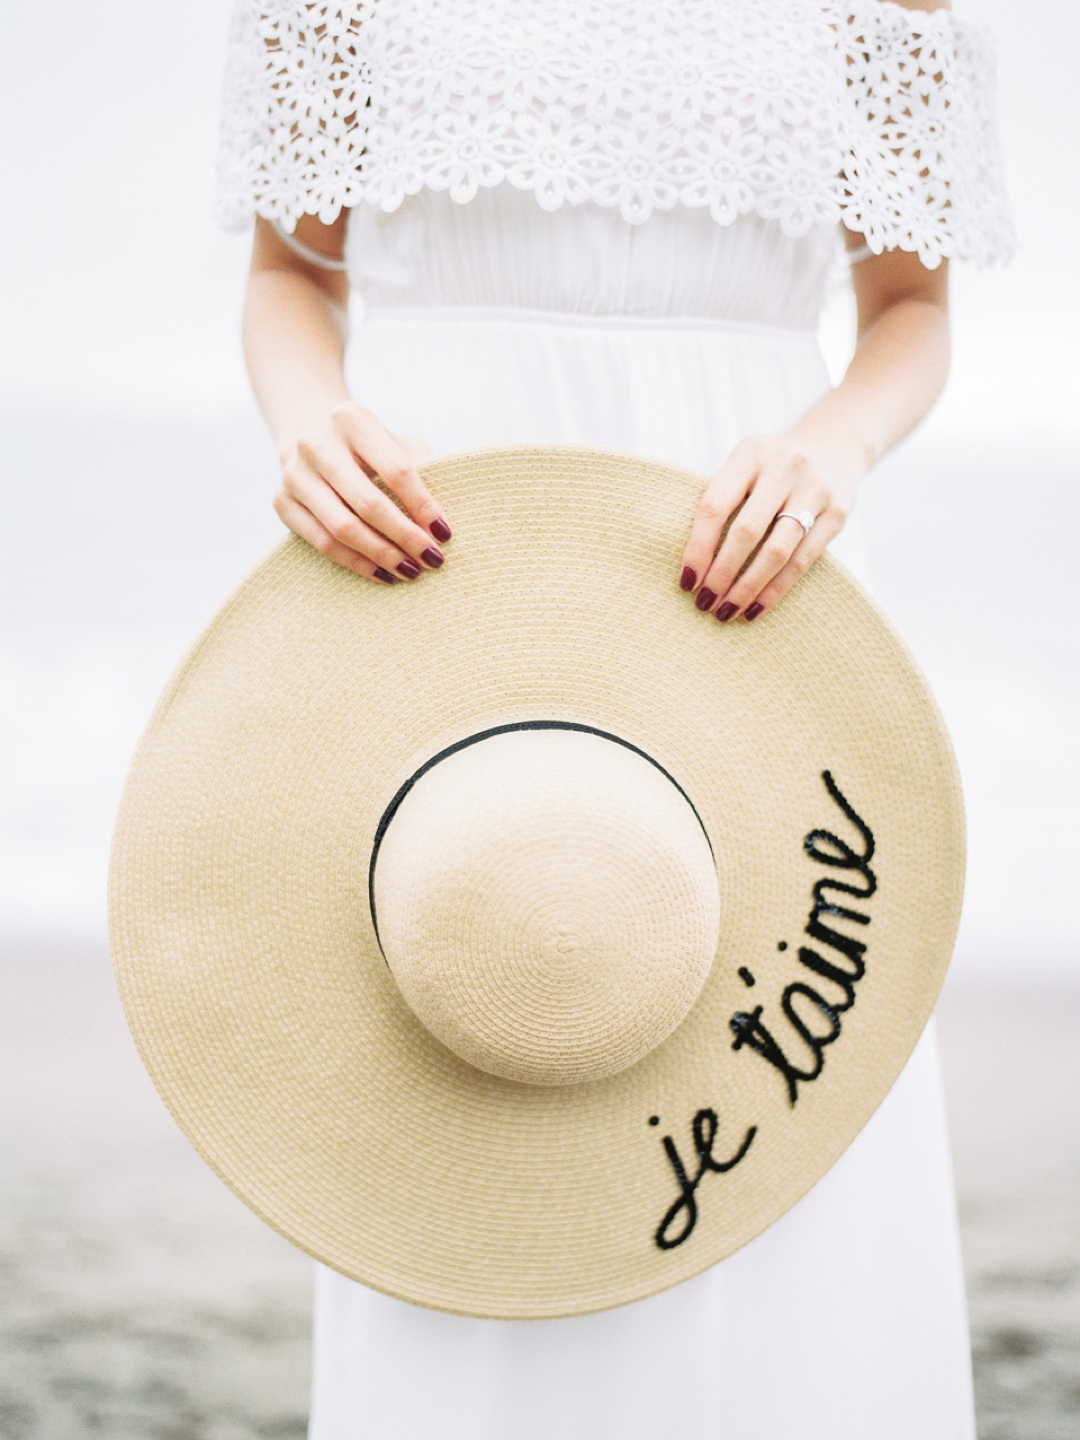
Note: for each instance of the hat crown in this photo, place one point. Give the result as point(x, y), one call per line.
point(547, 903)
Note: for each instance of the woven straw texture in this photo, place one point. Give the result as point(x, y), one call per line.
point(264, 1008)
point(547, 903)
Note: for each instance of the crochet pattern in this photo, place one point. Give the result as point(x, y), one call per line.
point(794, 110)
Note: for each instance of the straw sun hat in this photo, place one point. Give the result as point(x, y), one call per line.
point(521, 942)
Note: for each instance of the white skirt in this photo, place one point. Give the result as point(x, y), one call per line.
point(846, 1319)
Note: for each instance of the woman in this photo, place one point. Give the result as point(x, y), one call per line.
point(613, 224)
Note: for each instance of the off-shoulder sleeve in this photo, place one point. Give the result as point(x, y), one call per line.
point(802, 111)
point(296, 109)
point(923, 171)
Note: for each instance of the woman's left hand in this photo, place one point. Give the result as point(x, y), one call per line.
point(748, 569)
point(895, 375)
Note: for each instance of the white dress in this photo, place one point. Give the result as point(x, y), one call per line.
point(501, 304)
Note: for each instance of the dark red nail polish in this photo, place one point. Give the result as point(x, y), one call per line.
point(431, 557)
point(409, 569)
point(705, 599)
point(753, 611)
point(441, 530)
point(727, 609)
point(688, 578)
point(384, 576)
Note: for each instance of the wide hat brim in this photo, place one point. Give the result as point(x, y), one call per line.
point(269, 1020)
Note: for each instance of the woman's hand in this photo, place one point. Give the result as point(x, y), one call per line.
point(328, 496)
point(332, 451)
point(896, 374)
point(760, 557)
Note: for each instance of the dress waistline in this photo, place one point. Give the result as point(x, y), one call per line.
point(524, 316)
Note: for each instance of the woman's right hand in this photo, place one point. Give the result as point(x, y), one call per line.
point(328, 496)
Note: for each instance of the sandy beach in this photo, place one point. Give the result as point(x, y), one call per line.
point(142, 1300)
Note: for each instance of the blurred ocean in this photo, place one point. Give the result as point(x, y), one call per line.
point(123, 535)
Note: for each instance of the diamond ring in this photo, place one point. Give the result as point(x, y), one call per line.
point(805, 518)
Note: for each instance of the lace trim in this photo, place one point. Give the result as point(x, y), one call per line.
point(803, 111)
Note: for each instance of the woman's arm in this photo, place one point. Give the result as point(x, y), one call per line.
point(331, 449)
point(897, 373)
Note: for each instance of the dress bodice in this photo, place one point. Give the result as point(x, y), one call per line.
point(503, 252)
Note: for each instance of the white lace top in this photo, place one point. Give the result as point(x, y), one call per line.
point(806, 112)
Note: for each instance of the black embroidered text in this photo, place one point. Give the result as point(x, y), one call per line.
point(805, 1007)
point(704, 1127)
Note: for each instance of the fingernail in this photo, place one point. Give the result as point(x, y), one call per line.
point(384, 576)
point(753, 611)
point(727, 609)
point(688, 578)
point(409, 569)
point(705, 599)
point(441, 530)
point(431, 557)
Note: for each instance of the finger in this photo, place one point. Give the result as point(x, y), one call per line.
point(723, 496)
point(336, 465)
point(375, 445)
point(325, 504)
point(744, 534)
point(826, 528)
point(301, 522)
point(779, 545)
